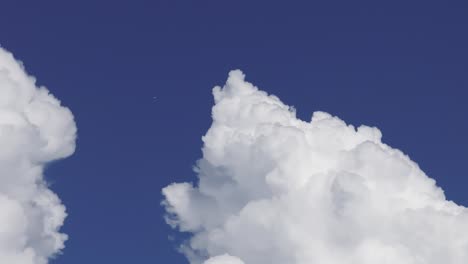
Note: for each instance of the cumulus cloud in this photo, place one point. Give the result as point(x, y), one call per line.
point(34, 130)
point(273, 189)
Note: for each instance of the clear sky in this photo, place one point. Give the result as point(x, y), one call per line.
point(399, 65)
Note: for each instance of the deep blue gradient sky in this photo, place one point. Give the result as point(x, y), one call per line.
point(399, 66)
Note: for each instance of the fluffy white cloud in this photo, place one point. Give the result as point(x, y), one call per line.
point(273, 189)
point(34, 130)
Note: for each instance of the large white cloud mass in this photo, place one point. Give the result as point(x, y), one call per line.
point(273, 189)
point(34, 130)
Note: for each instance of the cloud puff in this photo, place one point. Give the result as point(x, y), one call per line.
point(224, 259)
point(34, 130)
point(273, 189)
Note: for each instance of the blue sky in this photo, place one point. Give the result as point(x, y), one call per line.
point(399, 66)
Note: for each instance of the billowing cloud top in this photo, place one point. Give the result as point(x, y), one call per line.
point(273, 189)
point(34, 130)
